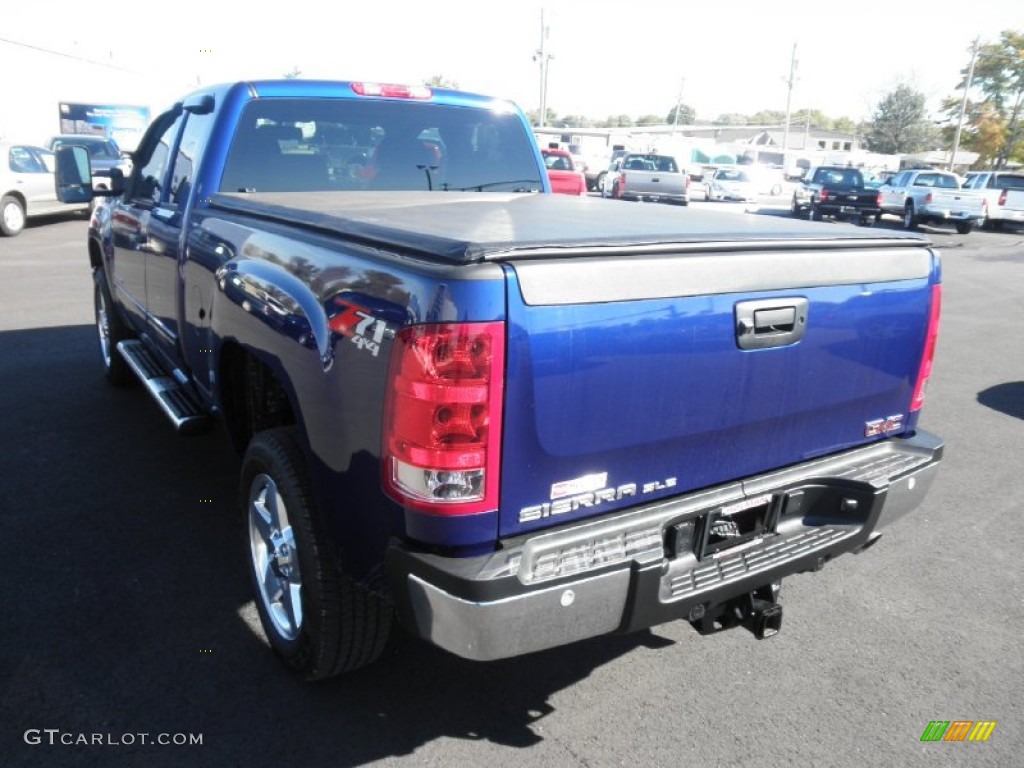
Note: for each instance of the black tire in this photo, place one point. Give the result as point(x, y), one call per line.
point(339, 625)
point(110, 330)
point(909, 217)
point(964, 227)
point(868, 220)
point(12, 215)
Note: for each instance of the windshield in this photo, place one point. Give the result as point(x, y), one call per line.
point(732, 176)
point(98, 148)
point(286, 145)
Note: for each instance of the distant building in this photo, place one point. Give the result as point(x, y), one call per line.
point(939, 158)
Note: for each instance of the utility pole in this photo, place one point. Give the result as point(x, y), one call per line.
point(789, 100)
point(544, 58)
point(963, 104)
point(679, 105)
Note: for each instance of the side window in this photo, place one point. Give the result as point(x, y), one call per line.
point(22, 160)
point(151, 168)
point(193, 141)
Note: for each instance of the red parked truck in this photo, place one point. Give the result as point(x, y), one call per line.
point(565, 179)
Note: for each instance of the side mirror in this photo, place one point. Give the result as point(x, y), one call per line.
point(73, 177)
point(116, 186)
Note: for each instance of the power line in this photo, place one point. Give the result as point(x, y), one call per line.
point(69, 56)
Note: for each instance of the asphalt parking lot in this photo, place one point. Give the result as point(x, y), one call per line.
point(128, 610)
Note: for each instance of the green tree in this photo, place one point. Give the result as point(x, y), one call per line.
point(576, 121)
point(899, 124)
point(844, 125)
point(983, 131)
point(649, 120)
point(533, 116)
point(616, 121)
point(730, 118)
point(440, 81)
point(999, 75)
point(687, 115)
point(767, 117)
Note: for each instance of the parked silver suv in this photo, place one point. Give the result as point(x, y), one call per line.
point(27, 187)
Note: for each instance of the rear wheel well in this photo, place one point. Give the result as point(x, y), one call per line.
point(95, 256)
point(19, 197)
point(252, 397)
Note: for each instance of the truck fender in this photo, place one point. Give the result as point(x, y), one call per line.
point(278, 299)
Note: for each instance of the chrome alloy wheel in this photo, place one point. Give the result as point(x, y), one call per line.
point(103, 325)
point(275, 559)
point(13, 216)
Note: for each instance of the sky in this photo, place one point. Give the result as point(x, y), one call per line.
point(609, 58)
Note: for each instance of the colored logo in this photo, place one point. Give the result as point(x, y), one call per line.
point(958, 730)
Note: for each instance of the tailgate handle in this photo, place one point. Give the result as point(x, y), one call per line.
point(769, 323)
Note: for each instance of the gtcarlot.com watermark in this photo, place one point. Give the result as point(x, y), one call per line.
point(56, 737)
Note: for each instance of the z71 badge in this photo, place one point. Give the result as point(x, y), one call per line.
point(359, 326)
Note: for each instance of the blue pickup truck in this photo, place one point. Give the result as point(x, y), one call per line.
point(508, 419)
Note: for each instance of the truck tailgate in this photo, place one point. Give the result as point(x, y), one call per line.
point(957, 201)
point(628, 379)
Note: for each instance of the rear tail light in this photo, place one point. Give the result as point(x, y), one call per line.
point(392, 91)
point(686, 186)
point(878, 200)
point(928, 199)
point(622, 183)
point(824, 195)
point(441, 448)
point(925, 371)
point(1002, 198)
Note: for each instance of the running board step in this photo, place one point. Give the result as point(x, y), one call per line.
point(174, 399)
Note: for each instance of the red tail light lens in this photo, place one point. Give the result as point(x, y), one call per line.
point(928, 198)
point(388, 90)
point(925, 371)
point(1002, 198)
point(878, 199)
point(622, 183)
point(824, 195)
point(442, 423)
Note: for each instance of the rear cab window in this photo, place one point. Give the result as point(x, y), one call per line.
point(309, 144)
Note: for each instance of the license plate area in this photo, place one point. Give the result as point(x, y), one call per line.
point(736, 524)
point(759, 520)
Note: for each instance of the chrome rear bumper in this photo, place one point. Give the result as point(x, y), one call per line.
point(619, 574)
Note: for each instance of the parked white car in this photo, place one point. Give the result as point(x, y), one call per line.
point(730, 184)
point(1004, 196)
point(27, 187)
point(931, 197)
